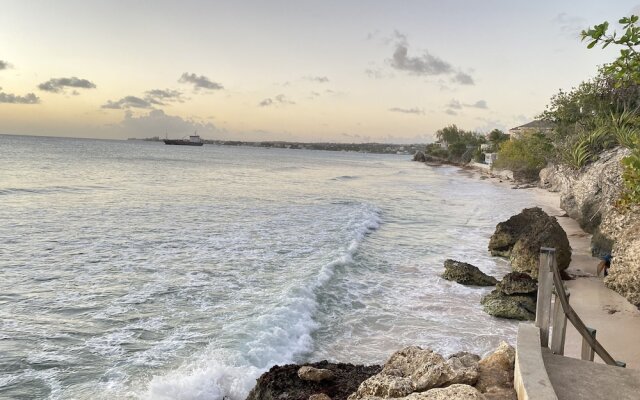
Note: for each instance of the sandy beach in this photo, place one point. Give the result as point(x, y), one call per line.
point(616, 320)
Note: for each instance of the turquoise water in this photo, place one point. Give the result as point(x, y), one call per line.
point(138, 270)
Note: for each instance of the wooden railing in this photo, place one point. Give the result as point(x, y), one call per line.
point(549, 284)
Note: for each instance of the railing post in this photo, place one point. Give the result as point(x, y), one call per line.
point(559, 332)
point(587, 351)
point(545, 285)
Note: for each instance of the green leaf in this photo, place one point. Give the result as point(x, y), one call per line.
point(593, 43)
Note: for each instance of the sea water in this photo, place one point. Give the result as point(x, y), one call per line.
point(135, 270)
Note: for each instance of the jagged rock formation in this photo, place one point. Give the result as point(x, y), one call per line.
point(466, 274)
point(283, 382)
point(589, 196)
point(414, 373)
point(517, 283)
point(521, 236)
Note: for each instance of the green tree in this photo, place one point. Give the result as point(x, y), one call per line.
point(525, 156)
point(497, 136)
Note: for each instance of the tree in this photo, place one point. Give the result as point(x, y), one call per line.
point(450, 134)
point(497, 136)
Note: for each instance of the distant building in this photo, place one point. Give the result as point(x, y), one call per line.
point(486, 146)
point(531, 127)
point(490, 158)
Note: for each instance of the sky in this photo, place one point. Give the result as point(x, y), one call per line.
point(311, 71)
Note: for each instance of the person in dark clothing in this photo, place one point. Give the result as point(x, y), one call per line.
point(604, 265)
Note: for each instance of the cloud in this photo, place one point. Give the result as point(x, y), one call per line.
point(57, 85)
point(11, 98)
point(478, 104)
point(426, 64)
point(199, 82)
point(416, 111)
point(457, 105)
point(128, 102)
point(162, 96)
point(318, 79)
point(157, 123)
point(451, 112)
point(570, 25)
point(463, 78)
point(4, 65)
point(279, 100)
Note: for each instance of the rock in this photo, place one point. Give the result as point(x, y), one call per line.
point(308, 373)
point(419, 156)
point(517, 283)
point(522, 235)
point(319, 396)
point(414, 369)
point(453, 392)
point(500, 305)
point(282, 382)
point(466, 274)
point(496, 370)
point(501, 394)
point(624, 274)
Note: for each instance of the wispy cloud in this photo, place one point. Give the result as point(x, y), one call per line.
point(4, 65)
point(457, 105)
point(416, 111)
point(57, 85)
point(570, 25)
point(463, 78)
point(199, 82)
point(450, 112)
point(318, 79)
point(279, 100)
point(11, 98)
point(128, 102)
point(163, 96)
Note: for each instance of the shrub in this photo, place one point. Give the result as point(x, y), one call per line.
point(525, 156)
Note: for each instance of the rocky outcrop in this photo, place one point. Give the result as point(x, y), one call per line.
point(414, 369)
point(517, 283)
point(466, 274)
point(521, 236)
point(517, 307)
point(496, 374)
point(624, 274)
point(589, 196)
point(283, 382)
point(419, 156)
point(309, 373)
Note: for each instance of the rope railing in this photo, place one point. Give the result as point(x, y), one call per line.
point(550, 282)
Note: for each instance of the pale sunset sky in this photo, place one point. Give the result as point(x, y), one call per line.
point(347, 71)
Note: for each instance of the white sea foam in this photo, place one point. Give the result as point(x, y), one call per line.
point(277, 338)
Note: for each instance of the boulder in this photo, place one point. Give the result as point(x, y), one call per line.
point(283, 382)
point(624, 274)
point(500, 305)
point(496, 372)
point(517, 283)
point(308, 373)
point(419, 156)
point(414, 369)
point(466, 274)
point(453, 392)
point(522, 235)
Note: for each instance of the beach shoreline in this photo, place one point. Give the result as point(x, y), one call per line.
point(615, 319)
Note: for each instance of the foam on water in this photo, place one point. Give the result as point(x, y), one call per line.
point(277, 338)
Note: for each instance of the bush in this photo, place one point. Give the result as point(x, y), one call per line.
point(525, 156)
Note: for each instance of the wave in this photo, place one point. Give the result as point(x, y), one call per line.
point(344, 178)
point(280, 337)
point(49, 190)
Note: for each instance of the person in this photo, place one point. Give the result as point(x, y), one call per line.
point(604, 265)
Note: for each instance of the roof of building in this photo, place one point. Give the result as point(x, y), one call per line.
point(537, 124)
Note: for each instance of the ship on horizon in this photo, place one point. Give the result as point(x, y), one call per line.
point(192, 140)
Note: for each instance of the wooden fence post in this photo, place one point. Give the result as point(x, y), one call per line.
point(545, 286)
point(559, 332)
point(587, 351)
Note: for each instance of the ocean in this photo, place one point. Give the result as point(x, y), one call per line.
point(135, 270)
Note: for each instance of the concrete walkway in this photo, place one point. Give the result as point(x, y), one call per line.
point(579, 380)
point(616, 320)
